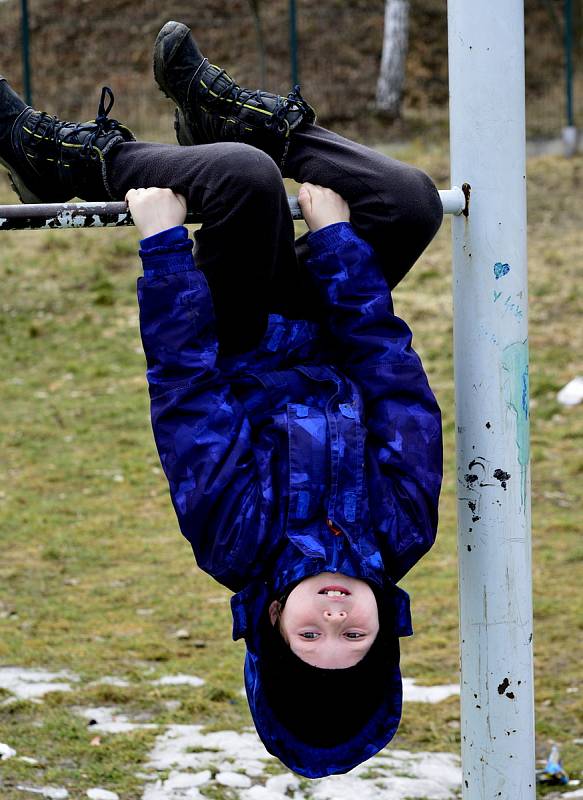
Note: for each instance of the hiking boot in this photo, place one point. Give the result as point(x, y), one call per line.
point(213, 108)
point(52, 161)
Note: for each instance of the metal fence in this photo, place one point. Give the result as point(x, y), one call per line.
point(76, 46)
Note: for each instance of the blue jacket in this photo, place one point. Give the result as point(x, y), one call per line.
point(318, 451)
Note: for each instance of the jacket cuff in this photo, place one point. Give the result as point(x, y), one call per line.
point(167, 251)
point(329, 238)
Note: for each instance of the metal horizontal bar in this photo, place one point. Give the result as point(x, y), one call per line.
point(112, 215)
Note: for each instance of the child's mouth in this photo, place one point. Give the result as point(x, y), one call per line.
point(334, 591)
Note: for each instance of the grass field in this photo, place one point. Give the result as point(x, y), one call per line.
point(94, 575)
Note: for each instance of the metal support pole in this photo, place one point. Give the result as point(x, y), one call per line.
point(570, 133)
point(114, 215)
point(568, 12)
point(25, 27)
point(293, 41)
point(487, 109)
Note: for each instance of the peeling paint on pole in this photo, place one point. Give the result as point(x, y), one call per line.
point(486, 72)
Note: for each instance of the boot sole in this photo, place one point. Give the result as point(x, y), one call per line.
point(167, 30)
point(19, 186)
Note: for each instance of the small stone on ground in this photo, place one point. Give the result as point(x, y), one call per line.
point(6, 752)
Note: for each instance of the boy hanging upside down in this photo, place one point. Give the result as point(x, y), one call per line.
point(295, 424)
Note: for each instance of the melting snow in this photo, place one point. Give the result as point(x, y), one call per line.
point(572, 393)
point(178, 680)
point(427, 694)
point(108, 720)
point(6, 751)
point(27, 684)
point(111, 680)
point(45, 791)
point(236, 759)
point(32, 684)
point(191, 759)
point(233, 779)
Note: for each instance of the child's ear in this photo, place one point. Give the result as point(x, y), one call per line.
point(274, 611)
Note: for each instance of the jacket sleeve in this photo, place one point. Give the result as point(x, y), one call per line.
point(201, 431)
point(372, 347)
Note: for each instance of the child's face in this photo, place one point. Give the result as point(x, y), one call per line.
point(327, 629)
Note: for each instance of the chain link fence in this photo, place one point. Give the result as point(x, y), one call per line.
point(76, 46)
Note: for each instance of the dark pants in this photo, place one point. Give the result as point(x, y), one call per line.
point(246, 246)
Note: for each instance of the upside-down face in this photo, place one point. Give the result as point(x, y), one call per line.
point(329, 620)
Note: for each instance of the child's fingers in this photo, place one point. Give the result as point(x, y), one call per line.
point(305, 198)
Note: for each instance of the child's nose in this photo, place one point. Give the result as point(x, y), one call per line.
point(335, 615)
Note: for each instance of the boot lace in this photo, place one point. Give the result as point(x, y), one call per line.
point(53, 128)
point(232, 91)
point(293, 102)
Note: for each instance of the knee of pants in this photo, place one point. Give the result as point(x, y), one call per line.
point(248, 173)
point(422, 209)
point(410, 198)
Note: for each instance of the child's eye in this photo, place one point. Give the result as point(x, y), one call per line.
point(354, 635)
point(309, 635)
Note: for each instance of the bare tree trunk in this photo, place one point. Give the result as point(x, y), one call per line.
point(392, 72)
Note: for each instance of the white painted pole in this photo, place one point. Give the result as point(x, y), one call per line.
point(486, 68)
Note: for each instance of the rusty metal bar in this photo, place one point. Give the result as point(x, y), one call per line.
point(60, 216)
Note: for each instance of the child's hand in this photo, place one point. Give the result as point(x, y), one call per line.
point(321, 206)
point(154, 210)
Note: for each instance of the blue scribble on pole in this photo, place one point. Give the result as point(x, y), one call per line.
point(501, 269)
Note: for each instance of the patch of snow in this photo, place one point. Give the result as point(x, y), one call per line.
point(571, 394)
point(187, 780)
point(111, 680)
point(177, 745)
point(578, 793)
point(6, 752)
point(263, 793)
point(283, 783)
point(33, 683)
point(108, 720)
point(234, 779)
point(46, 791)
point(432, 776)
point(101, 794)
point(391, 775)
point(178, 680)
point(427, 694)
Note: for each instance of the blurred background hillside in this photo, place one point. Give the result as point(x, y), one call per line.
point(78, 45)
